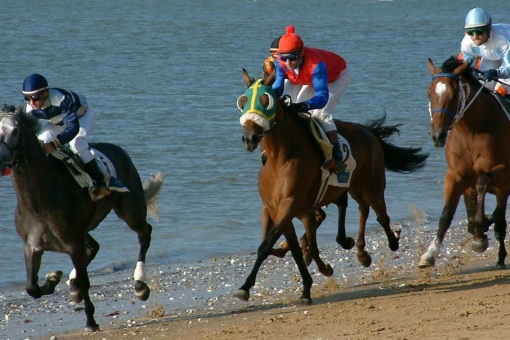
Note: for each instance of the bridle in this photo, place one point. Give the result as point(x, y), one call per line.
point(13, 149)
point(464, 92)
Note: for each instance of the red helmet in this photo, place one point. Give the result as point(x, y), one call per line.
point(290, 42)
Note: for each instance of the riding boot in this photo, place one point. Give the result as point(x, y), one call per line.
point(99, 187)
point(338, 158)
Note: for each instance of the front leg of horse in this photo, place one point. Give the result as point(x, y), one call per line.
point(33, 264)
point(500, 227)
point(243, 293)
point(310, 248)
point(428, 259)
point(480, 241)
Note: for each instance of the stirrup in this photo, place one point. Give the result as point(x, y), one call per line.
point(98, 191)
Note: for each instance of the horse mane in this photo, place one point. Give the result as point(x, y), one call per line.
point(450, 64)
point(29, 121)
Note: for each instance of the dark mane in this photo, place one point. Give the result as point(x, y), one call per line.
point(450, 64)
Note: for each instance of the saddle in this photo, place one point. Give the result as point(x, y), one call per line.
point(75, 167)
point(341, 179)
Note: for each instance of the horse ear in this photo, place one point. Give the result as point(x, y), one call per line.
point(459, 70)
point(270, 79)
point(431, 67)
point(19, 109)
point(247, 79)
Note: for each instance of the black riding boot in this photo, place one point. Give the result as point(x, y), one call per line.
point(338, 158)
point(96, 174)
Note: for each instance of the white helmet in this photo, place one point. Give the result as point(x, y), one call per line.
point(477, 17)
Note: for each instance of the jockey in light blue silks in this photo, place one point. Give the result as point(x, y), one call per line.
point(66, 118)
point(490, 42)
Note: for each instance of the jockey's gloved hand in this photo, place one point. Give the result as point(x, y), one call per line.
point(490, 74)
point(295, 108)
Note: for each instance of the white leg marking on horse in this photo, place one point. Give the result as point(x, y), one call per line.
point(139, 274)
point(434, 247)
point(72, 275)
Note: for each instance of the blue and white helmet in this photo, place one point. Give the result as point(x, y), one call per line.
point(477, 18)
point(33, 84)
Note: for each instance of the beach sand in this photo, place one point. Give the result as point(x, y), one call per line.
point(462, 297)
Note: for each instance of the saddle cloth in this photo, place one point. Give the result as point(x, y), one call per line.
point(82, 177)
point(504, 102)
point(342, 179)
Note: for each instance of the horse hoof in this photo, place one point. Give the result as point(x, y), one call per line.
point(426, 261)
point(77, 297)
point(142, 291)
point(92, 328)
point(308, 259)
point(242, 295)
point(480, 246)
point(305, 301)
point(328, 271)
point(500, 266)
point(365, 259)
point(278, 252)
point(54, 277)
point(348, 243)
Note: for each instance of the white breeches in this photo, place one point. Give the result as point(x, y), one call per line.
point(300, 93)
point(79, 144)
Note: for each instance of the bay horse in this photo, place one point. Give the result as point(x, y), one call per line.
point(289, 180)
point(468, 119)
point(53, 213)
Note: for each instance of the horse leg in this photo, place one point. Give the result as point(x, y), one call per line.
point(452, 192)
point(264, 250)
point(142, 291)
point(291, 237)
point(500, 228)
point(312, 250)
point(92, 248)
point(480, 241)
point(363, 256)
point(32, 265)
point(341, 237)
point(81, 284)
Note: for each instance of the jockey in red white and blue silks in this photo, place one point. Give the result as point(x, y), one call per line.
point(315, 79)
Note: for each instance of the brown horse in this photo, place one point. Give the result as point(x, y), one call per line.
point(290, 179)
point(53, 213)
point(477, 156)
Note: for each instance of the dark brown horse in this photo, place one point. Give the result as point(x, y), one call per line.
point(477, 156)
point(54, 214)
point(289, 180)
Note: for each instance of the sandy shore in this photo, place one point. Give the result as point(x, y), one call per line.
point(463, 297)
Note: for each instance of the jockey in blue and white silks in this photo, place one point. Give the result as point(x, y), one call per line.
point(66, 118)
point(490, 42)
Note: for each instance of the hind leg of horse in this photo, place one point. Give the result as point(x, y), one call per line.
point(312, 250)
point(32, 265)
point(81, 284)
point(264, 250)
point(363, 256)
point(500, 227)
point(341, 236)
point(132, 209)
point(480, 241)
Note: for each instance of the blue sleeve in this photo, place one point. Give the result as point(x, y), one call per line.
point(320, 86)
point(279, 79)
point(70, 119)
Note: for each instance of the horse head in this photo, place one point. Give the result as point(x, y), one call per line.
point(258, 105)
point(446, 98)
point(12, 124)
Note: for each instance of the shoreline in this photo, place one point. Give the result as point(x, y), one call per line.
point(205, 289)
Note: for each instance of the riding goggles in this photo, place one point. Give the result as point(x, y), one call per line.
point(290, 56)
point(477, 31)
point(35, 97)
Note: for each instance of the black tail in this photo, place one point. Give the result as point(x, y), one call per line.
point(396, 158)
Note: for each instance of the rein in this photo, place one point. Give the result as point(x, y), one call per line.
point(463, 95)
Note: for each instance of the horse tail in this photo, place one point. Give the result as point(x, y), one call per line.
point(151, 188)
point(397, 159)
